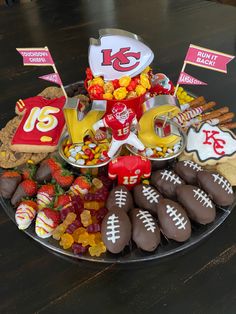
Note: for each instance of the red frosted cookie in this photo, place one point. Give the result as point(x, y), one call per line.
point(41, 126)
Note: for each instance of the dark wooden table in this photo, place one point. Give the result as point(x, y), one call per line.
point(35, 280)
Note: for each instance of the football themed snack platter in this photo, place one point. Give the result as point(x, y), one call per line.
point(122, 167)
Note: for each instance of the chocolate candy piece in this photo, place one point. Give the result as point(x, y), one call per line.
point(173, 220)
point(145, 232)
point(146, 197)
point(116, 230)
point(217, 187)
point(187, 170)
point(166, 181)
point(197, 204)
point(120, 198)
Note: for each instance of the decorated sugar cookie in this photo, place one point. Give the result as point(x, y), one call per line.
point(210, 144)
point(41, 126)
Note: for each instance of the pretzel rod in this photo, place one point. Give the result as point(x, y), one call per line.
point(224, 118)
point(229, 125)
point(199, 101)
point(215, 113)
point(187, 115)
point(208, 106)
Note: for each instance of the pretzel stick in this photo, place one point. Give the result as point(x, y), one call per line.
point(199, 101)
point(229, 125)
point(215, 113)
point(224, 118)
point(208, 106)
point(182, 117)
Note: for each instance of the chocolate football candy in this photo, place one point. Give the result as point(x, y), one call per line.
point(145, 232)
point(116, 230)
point(166, 181)
point(119, 198)
point(146, 197)
point(173, 220)
point(197, 204)
point(187, 170)
point(217, 187)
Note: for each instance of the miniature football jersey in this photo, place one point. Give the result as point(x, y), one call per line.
point(129, 170)
point(120, 131)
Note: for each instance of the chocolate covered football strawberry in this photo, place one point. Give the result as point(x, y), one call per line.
point(46, 221)
point(27, 188)
point(25, 213)
point(45, 195)
point(9, 181)
point(81, 185)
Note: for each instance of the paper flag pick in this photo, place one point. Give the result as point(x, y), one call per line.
point(187, 79)
point(53, 77)
point(118, 53)
point(36, 56)
point(207, 58)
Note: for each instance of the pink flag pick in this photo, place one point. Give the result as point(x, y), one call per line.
point(36, 56)
point(187, 79)
point(53, 77)
point(207, 58)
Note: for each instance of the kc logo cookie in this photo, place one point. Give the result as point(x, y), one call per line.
point(210, 144)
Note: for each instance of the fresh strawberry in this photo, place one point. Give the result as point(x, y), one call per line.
point(81, 185)
point(46, 169)
point(25, 213)
point(26, 188)
point(45, 195)
point(9, 181)
point(63, 177)
point(46, 221)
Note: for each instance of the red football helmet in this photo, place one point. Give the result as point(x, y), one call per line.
point(120, 111)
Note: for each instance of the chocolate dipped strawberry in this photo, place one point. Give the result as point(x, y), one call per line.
point(27, 188)
point(45, 195)
point(46, 221)
point(46, 169)
point(25, 213)
point(63, 177)
point(9, 181)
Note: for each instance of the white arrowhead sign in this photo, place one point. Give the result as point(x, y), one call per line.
point(118, 53)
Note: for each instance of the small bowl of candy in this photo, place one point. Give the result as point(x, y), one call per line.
point(88, 154)
point(163, 152)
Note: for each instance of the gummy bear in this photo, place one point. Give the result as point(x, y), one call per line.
point(97, 183)
point(93, 228)
point(58, 232)
point(70, 218)
point(93, 205)
point(87, 239)
point(75, 225)
point(77, 233)
point(86, 218)
point(66, 241)
point(79, 249)
point(97, 237)
point(97, 249)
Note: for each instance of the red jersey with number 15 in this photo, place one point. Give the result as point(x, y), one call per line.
point(120, 131)
point(129, 170)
